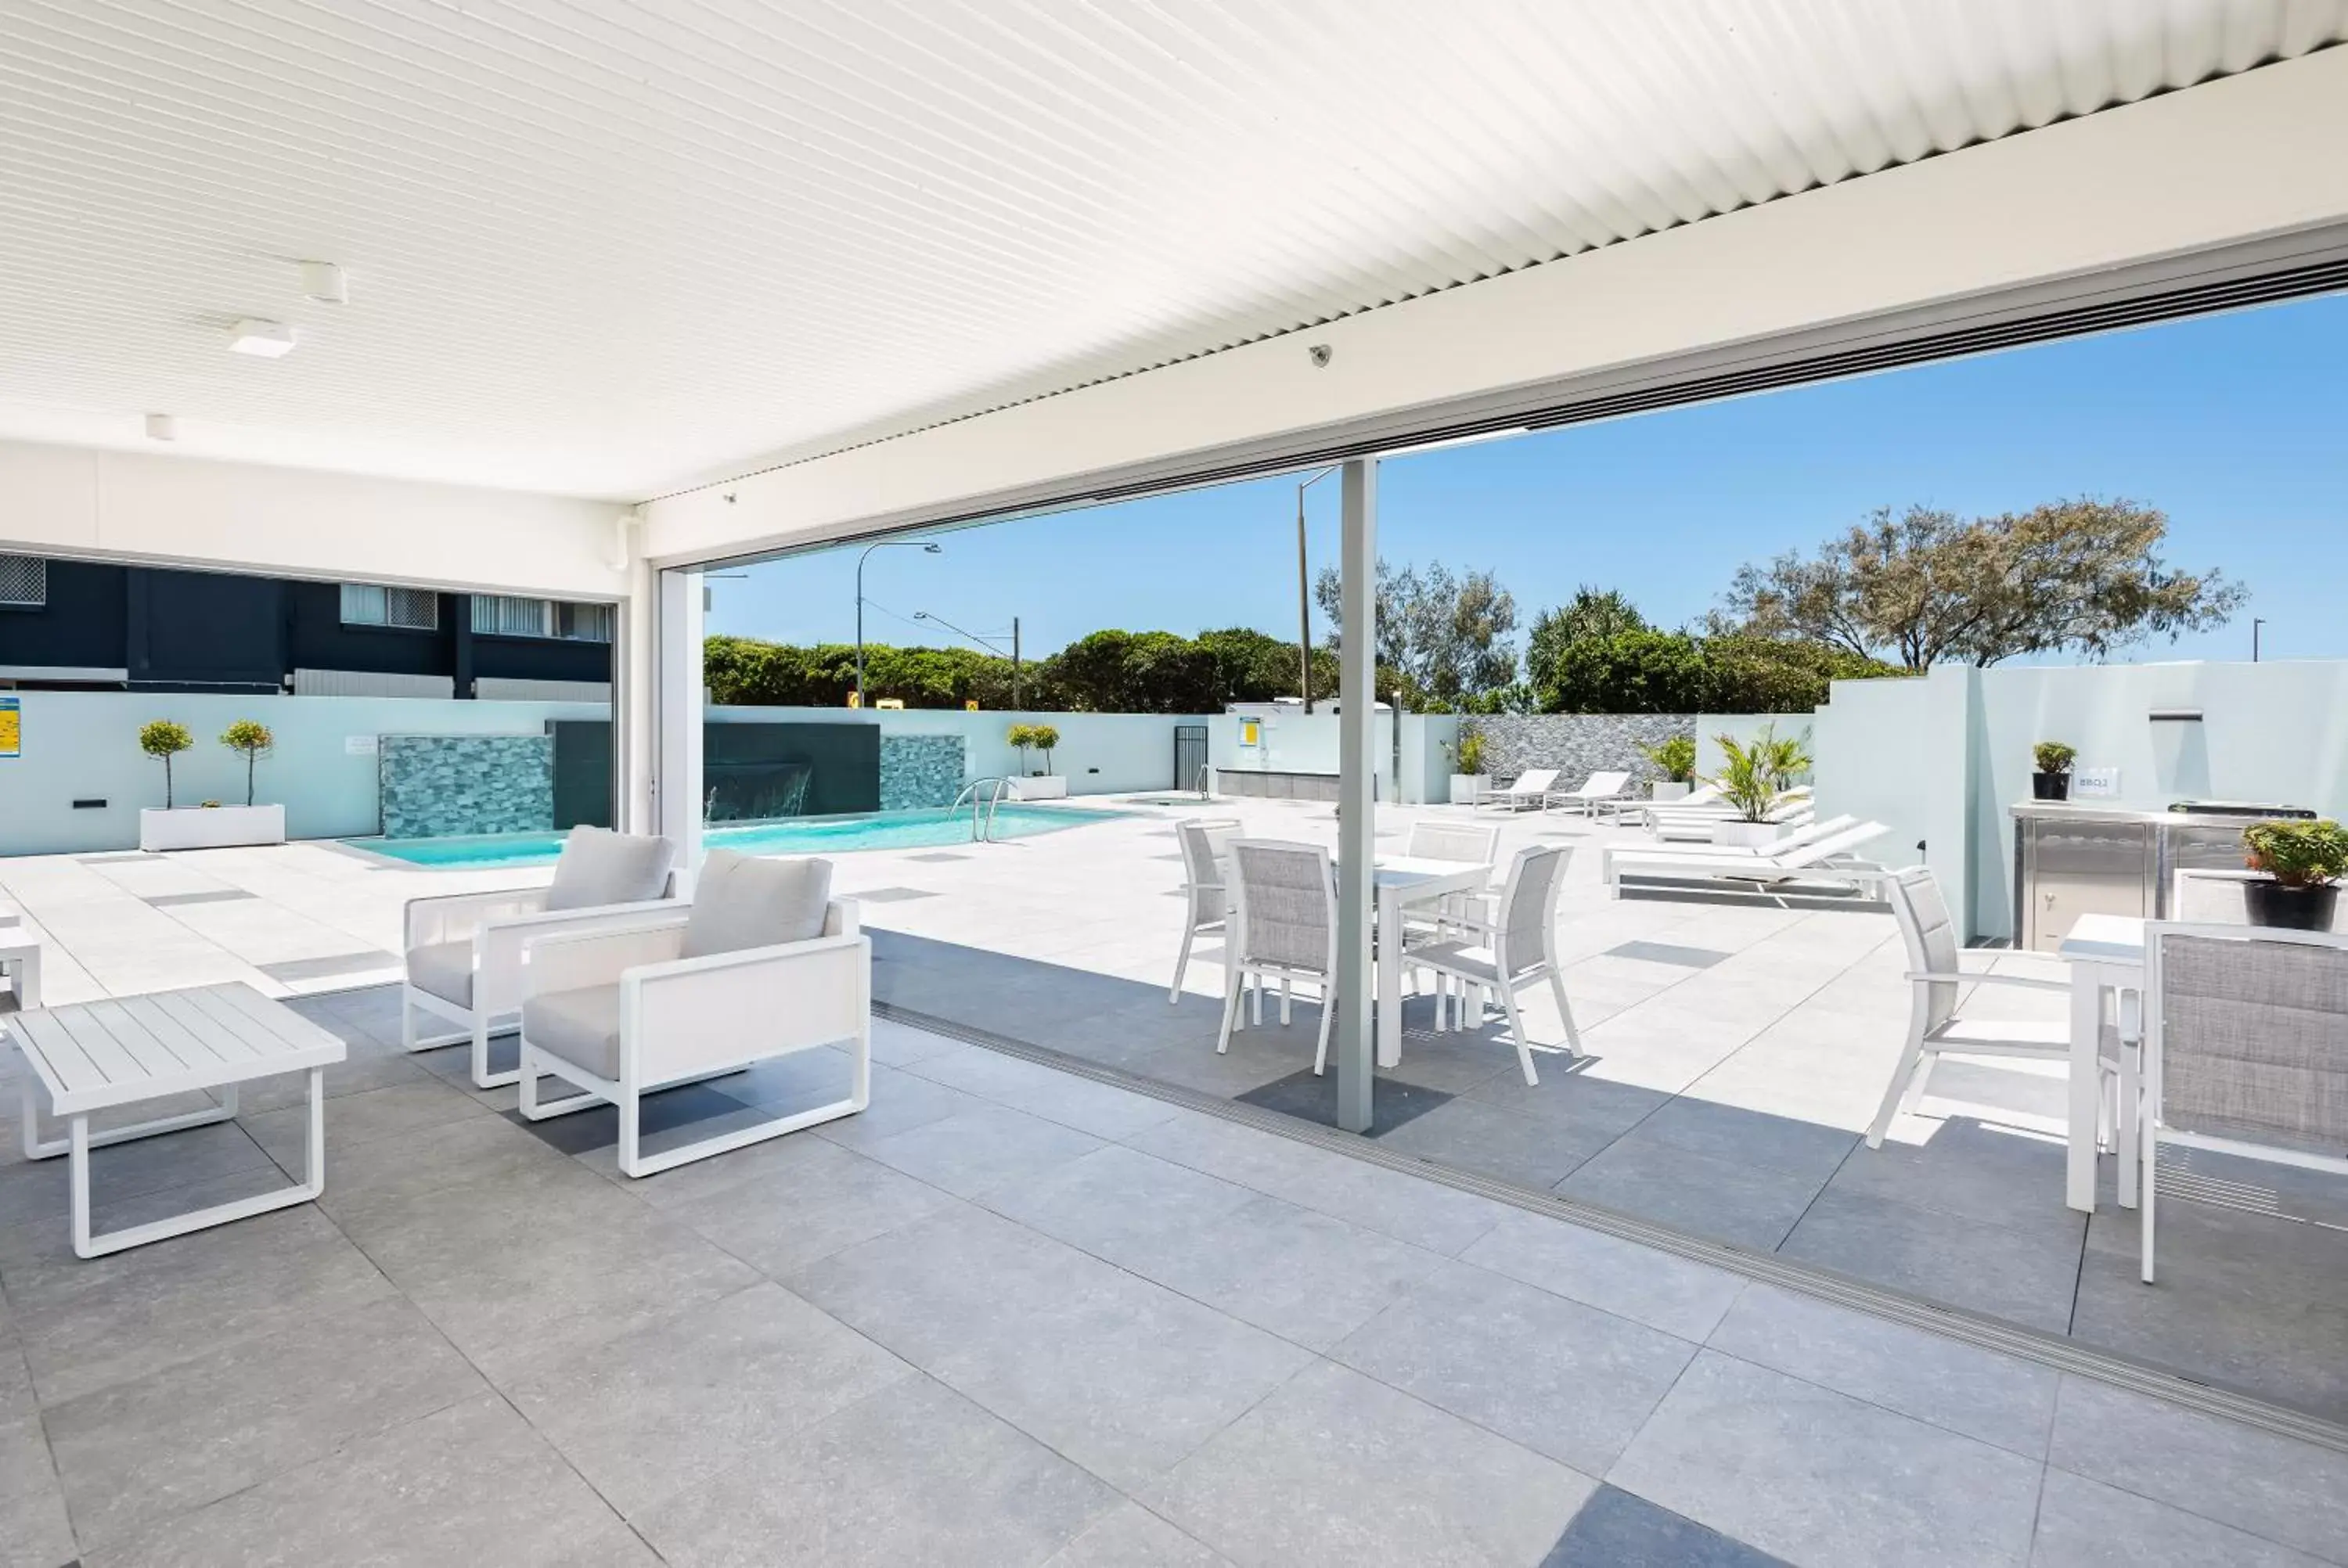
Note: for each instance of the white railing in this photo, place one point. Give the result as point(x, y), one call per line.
point(981, 792)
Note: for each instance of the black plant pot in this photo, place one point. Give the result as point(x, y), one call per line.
point(2050, 786)
point(2272, 903)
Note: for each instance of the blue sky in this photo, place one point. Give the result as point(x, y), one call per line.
point(2235, 425)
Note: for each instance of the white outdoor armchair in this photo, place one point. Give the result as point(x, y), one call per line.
point(464, 951)
point(1205, 842)
point(766, 964)
point(1283, 928)
point(1516, 950)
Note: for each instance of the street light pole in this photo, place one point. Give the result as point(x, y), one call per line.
point(884, 544)
point(1304, 598)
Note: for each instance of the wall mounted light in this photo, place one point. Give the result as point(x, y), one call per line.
point(2175, 715)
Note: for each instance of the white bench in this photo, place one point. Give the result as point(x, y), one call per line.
point(97, 1056)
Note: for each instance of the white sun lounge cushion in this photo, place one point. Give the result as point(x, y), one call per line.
point(742, 902)
point(601, 867)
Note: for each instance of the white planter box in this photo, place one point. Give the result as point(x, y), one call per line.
point(211, 826)
point(1666, 790)
point(1466, 789)
point(1748, 835)
point(1048, 786)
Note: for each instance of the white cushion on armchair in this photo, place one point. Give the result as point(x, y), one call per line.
point(741, 902)
point(601, 867)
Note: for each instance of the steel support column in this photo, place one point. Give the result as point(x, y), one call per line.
point(1358, 768)
point(677, 710)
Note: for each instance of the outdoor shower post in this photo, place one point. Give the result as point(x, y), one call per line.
point(1357, 772)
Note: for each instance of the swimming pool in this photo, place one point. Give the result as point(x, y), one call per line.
point(933, 826)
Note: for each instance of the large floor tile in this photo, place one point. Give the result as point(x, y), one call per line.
point(819, 1202)
point(141, 1451)
point(471, 1483)
point(986, 1147)
point(87, 1325)
point(1095, 1107)
point(363, 1118)
point(1471, 1134)
point(1404, 1207)
point(656, 1410)
point(1617, 1529)
point(370, 1186)
point(34, 1531)
point(37, 1191)
point(547, 1266)
point(914, 1473)
point(1336, 1467)
point(1813, 1476)
point(1750, 1137)
point(2024, 1277)
point(1591, 1106)
point(2084, 1523)
point(900, 1101)
point(1563, 1379)
point(1979, 1393)
point(1120, 1374)
point(1721, 1199)
point(2256, 1481)
point(1130, 1536)
point(1682, 1298)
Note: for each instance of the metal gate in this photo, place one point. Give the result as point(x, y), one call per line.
point(1190, 756)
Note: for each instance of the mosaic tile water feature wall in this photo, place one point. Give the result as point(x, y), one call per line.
point(920, 770)
point(436, 785)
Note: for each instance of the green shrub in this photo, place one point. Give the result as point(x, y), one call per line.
point(1471, 753)
point(252, 737)
point(164, 739)
point(2298, 854)
point(2053, 756)
point(1758, 771)
point(1676, 756)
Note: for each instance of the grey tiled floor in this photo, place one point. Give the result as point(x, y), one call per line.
point(1009, 1317)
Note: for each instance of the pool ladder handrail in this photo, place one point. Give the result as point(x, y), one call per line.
point(970, 791)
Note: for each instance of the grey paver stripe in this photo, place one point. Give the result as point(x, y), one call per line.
point(1985, 1333)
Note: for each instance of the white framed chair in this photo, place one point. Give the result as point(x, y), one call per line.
point(1282, 928)
point(464, 951)
point(1467, 843)
point(2245, 1051)
point(1516, 950)
point(1205, 842)
point(765, 964)
point(1936, 973)
point(1528, 790)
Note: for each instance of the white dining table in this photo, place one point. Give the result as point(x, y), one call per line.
point(2106, 954)
point(1397, 882)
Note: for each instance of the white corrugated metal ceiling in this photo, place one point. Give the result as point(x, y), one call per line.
point(604, 247)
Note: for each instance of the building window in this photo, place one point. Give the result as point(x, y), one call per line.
point(24, 583)
point(500, 615)
point(409, 608)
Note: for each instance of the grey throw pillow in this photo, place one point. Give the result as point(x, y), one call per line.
point(600, 867)
point(742, 902)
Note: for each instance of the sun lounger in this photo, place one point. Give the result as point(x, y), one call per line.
point(1825, 859)
point(1797, 838)
point(1596, 789)
point(1530, 788)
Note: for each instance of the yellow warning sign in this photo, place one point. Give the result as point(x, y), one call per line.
point(12, 727)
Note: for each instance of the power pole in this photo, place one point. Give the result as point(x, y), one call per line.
point(1014, 665)
point(1305, 597)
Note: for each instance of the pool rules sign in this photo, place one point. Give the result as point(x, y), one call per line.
point(12, 726)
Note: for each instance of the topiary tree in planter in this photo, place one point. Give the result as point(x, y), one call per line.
point(164, 739)
point(1039, 737)
point(253, 738)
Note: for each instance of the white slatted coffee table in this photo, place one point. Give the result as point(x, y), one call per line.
point(97, 1056)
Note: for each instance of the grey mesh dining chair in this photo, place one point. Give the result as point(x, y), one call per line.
point(1517, 948)
point(1282, 928)
point(2245, 1050)
point(1205, 841)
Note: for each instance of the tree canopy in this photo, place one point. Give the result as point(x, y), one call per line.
point(1444, 639)
point(1927, 587)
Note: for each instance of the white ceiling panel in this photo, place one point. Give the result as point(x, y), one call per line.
point(606, 248)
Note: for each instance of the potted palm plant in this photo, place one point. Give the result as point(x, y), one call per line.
point(1468, 778)
point(210, 825)
point(1033, 785)
point(1753, 777)
point(2303, 862)
point(1676, 758)
point(2053, 779)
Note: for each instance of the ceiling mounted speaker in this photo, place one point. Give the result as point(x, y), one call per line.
point(326, 282)
point(264, 340)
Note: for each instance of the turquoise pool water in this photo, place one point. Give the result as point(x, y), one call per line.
point(928, 828)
